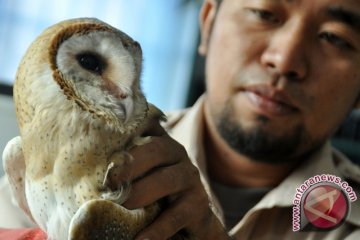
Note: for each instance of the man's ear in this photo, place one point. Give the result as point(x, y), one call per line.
point(206, 18)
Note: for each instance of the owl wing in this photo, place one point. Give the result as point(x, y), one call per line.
point(14, 166)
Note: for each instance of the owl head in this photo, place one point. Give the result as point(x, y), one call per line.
point(93, 65)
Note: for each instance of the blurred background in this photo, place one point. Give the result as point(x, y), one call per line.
point(166, 29)
point(168, 32)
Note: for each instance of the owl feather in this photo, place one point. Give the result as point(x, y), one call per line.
point(80, 109)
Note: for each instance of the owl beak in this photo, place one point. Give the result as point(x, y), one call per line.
point(126, 108)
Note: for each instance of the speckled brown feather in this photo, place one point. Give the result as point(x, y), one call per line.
point(68, 144)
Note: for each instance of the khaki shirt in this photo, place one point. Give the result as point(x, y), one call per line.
point(271, 218)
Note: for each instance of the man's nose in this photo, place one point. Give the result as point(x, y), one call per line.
point(286, 52)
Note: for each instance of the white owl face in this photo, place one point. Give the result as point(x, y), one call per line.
point(104, 69)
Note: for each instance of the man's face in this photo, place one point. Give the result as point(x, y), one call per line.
point(281, 74)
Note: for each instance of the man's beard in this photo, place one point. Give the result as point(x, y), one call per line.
point(257, 143)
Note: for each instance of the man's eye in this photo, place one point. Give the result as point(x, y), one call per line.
point(265, 15)
point(336, 40)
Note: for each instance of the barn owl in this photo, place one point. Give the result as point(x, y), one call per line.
point(79, 108)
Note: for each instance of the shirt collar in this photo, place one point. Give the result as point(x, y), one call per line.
point(189, 131)
point(321, 162)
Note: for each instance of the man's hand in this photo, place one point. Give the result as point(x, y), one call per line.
point(162, 169)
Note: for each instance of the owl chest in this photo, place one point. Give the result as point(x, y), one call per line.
point(71, 158)
point(84, 164)
point(87, 156)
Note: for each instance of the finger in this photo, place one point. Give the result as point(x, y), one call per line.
point(171, 221)
point(163, 182)
point(157, 153)
point(154, 128)
point(199, 223)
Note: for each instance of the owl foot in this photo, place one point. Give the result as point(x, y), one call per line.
point(102, 219)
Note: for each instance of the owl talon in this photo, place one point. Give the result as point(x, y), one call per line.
point(118, 163)
point(106, 182)
point(79, 60)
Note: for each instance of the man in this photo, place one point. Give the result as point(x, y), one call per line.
point(281, 76)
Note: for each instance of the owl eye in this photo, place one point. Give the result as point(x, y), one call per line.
point(91, 62)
